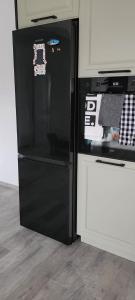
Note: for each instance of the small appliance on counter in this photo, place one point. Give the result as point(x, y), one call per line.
point(107, 117)
point(46, 63)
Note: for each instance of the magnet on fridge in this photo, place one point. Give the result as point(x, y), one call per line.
point(39, 60)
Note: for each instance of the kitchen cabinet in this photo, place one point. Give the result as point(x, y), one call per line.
point(36, 9)
point(107, 38)
point(106, 205)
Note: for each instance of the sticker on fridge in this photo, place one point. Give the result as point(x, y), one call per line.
point(39, 60)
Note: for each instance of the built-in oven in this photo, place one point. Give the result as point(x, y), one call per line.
point(107, 117)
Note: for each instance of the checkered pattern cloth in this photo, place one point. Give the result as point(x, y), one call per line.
point(127, 122)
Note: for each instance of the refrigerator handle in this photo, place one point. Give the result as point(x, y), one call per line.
point(49, 92)
point(21, 156)
point(110, 163)
point(44, 18)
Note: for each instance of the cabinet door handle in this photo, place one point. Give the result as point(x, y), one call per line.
point(109, 163)
point(114, 71)
point(44, 18)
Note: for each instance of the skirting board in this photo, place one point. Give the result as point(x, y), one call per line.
point(109, 244)
point(8, 185)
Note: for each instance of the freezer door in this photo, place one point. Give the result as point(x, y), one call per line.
point(46, 199)
point(45, 75)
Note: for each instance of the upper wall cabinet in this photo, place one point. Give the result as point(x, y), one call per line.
point(52, 10)
point(107, 37)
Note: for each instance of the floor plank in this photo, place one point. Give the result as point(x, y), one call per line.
point(34, 267)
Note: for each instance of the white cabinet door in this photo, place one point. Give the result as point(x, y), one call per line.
point(107, 37)
point(106, 205)
point(34, 9)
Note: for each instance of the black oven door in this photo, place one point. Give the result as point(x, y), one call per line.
point(107, 145)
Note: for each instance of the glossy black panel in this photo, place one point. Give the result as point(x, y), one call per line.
point(46, 199)
point(115, 85)
point(45, 116)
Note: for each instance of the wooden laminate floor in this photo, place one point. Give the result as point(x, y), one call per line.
point(33, 267)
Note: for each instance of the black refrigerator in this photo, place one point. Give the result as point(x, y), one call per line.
point(45, 64)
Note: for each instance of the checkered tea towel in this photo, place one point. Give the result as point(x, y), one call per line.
point(127, 122)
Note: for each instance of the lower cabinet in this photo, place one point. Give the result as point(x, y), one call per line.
point(106, 205)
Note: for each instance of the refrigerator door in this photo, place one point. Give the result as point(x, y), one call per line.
point(46, 199)
point(45, 79)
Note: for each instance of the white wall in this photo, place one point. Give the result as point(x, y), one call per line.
point(8, 143)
